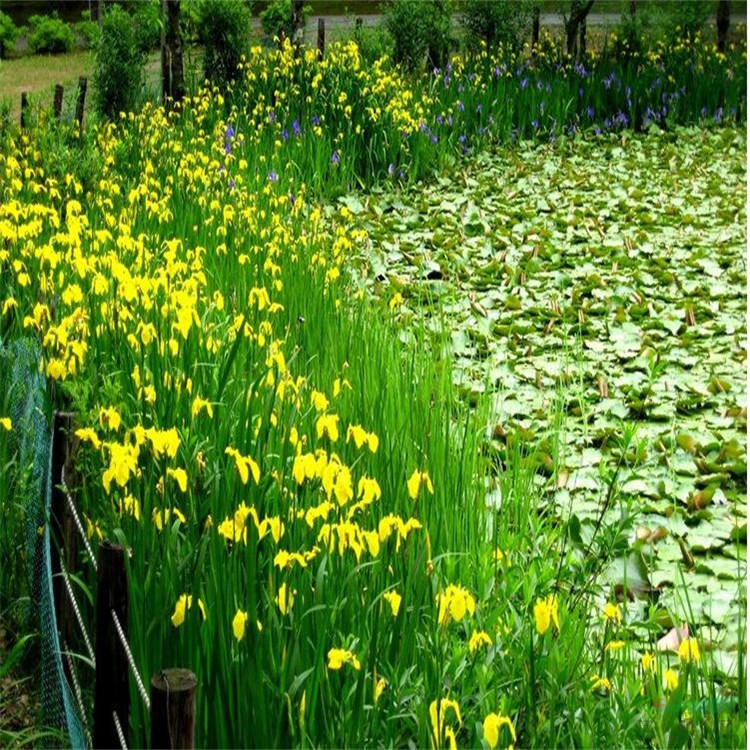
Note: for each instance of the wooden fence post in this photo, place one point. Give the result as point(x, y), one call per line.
point(58, 101)
point(63, 549)
point(173, 709)
point(321, 37)
point(357, 25)
point(111, 689)
point(24, 109)
point(82, 85)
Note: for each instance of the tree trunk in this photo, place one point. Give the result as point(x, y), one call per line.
point(166, 86)
point(174, 43)
point(100, 11)
point(298, 22)
point(722, 24)
point(437, 54)
point(579, 9)
point(582, 38)
point(632, 8)
point(535, 26)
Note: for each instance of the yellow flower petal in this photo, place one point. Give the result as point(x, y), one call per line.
point(238, 624)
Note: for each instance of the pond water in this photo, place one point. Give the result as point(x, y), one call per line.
point(588, 286)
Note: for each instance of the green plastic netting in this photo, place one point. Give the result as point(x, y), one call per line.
point(25, 396)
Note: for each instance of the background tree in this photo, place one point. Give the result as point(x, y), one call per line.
point(498, 22)
point(118, 64)
point(575, 24)
point(224, 30)
point(174, 46)
point(722, 24)
point(438, 33)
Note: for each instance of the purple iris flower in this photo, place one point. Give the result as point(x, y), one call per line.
point(335, 158)
point(272, 176)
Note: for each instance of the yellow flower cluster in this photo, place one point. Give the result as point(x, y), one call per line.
point(454, 604)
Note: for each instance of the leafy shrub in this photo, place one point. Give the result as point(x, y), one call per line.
point(50, 34)
point(419, 28)
point(437, 29)
point(224, 29)
point(404, 21)
point(8, 34)
point(496, 22)
point(631, 36)
point(118, 66)
point(148, 22)
point(374, 42)
point(88, 29)
point(278, 18)
point(681, 20)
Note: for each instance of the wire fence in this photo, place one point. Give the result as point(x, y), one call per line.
point(54, 534)
point(64, 573)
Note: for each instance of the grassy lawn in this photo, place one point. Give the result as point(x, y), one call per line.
point(38, 75)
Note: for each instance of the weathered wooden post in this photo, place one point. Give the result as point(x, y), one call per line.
point(24, 109)
point(63, 549)
point(173, 709)
point(58, 101)
point(82, 85)
point(321, 37)
point(111, 688)
point(357, 25)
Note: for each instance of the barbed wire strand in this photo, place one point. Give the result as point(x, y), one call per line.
point(131, 661)
point(78, 694)
point(77, 519)
point(77, 613)
point(118, 729)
